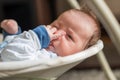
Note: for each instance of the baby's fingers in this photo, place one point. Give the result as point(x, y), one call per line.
point(55, 36)
point(53, 30)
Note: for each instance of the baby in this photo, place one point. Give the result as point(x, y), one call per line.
point(73, 31)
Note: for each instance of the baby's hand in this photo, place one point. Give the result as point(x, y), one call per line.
point(51, 31)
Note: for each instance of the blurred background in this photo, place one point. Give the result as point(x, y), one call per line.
point(31, 13)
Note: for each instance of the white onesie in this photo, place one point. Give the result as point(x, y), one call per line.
point(25, 46)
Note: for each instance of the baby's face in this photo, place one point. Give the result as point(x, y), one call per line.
point(77, 33)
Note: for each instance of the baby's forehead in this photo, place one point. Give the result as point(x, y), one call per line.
point(78, 18)
point(79, 15)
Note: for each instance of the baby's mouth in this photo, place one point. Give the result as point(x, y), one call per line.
point(51, 47)
point(51, 44)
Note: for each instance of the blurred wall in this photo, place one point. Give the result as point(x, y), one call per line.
point(114, 6)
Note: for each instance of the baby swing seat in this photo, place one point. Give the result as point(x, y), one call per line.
point(46, 69)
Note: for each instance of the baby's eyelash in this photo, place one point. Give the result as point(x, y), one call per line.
point(70, 36)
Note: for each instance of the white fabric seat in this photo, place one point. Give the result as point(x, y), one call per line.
point(46, 68)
